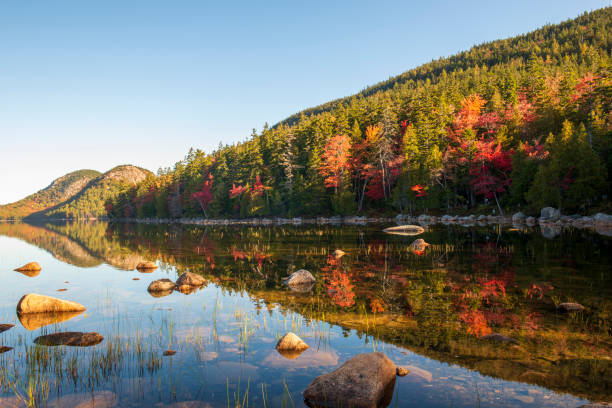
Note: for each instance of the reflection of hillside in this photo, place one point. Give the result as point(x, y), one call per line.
point(61, 247)
point(94, 236)
point(429, 303)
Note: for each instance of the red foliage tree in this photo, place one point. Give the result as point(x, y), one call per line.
point(204, 196)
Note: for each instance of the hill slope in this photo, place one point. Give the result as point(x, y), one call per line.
point(521, 123)
point(90, 202)
point(57, 192)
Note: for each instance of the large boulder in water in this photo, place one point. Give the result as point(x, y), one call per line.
point(77, 339)
point(365, 381)
point(518, 218)
point(30, 267)
point(190, 279)
point(35, 303)
point(161, 285)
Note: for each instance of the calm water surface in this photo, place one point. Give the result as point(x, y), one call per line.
point(427, 311)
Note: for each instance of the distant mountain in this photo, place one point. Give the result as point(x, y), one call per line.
point(91, 200)
point(58, 191)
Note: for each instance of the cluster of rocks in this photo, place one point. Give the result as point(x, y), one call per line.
point(271, 221)
point(187, 283)
point(35, 310)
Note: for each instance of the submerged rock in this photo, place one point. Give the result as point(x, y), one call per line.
point(5, 327)
point(407, 230)
point(4, 349)
point(35, 303)
point(30, 267)
point(364, 381)
point(169, 352)
point(500, 338)
point(419, 245)
point(146, 266)
point(191, 279)
point(291, 346)
point(161, 285)
point(300, 278)
point(33, 321)
point(76, 339)
point(102, 399)
point(570, 307)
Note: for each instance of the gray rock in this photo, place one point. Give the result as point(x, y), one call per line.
point(300, 278)
point(518, 218)
point(419, 245)
point(365, 381)
point(531, 221)
point(550, 214)
point(601, 218)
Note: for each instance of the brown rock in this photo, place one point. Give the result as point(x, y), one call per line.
point(291, 346)
point(169, 352)
point(77, 339)
point(191, 279)
point(29, 267)
point(5, 327)
point(4, 349)
point(401, 371)
point(146, 266)
point(33, 321)
point(161, 285)
point(365, 381)
point(34, 303)
point(570, 307)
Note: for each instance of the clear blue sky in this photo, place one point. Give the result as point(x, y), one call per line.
point(88, 84)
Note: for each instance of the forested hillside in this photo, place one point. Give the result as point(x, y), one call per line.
point(522, 123)
point(58, 191)
point(90, 202)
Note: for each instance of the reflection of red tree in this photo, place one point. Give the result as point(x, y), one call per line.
point(475, 321)
point(338, 283)
point(340, 289)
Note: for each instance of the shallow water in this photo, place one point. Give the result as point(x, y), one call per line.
point(427, 311)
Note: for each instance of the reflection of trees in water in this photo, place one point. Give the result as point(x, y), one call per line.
point(439, 303)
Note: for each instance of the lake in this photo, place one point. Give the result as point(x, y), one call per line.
point(429, 311)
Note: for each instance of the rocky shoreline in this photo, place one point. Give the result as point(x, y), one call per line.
point(551, 221)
